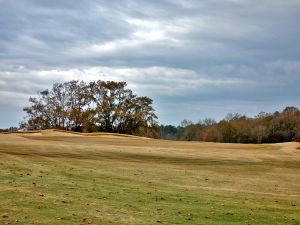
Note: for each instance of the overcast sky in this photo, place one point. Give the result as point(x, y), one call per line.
point(194, 58)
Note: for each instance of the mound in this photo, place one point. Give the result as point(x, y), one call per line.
point(63, 133)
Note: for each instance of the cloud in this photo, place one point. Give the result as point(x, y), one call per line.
point(149, 81)
point(220, 55)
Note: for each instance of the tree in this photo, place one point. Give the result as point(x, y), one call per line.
point(97, 106)
point(77, 105)
point(235, 128)
point(208, 122)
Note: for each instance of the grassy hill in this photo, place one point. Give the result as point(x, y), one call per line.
point(53, 177)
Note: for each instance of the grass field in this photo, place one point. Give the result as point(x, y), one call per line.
point(60, 178)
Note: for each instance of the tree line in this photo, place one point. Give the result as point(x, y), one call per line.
point(105, 106)
point(108, 106)
point(274, 127)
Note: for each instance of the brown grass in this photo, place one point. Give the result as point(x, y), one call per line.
point(57, 132)
point(142, 181)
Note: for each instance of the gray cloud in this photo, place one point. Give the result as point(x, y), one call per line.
point(195, 58)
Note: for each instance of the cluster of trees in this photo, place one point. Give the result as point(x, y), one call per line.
point(235, 128)
point(89, 107)
point(11, 129)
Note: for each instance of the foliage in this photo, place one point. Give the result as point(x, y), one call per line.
point(11, 129)
point(96, 106)
point(235, 128)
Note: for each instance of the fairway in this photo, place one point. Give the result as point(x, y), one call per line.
point(65, 178)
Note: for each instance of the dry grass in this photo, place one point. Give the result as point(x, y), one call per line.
point(64, 178)
point(56, 132)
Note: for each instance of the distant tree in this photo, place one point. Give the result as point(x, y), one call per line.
point(208, 122)
point(233, 116)
point(192, 132)
point(235, 128)
point(262, 115)
point(227, 132)
point(12, 129)
point(168, 132)
point(210, 134)
point(185, 123)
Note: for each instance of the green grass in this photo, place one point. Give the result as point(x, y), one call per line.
point(108, 180)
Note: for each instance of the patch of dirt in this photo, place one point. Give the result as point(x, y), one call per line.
point(14, 189)
point(5, 216)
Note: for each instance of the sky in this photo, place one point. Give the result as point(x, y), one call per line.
point(195, 59)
